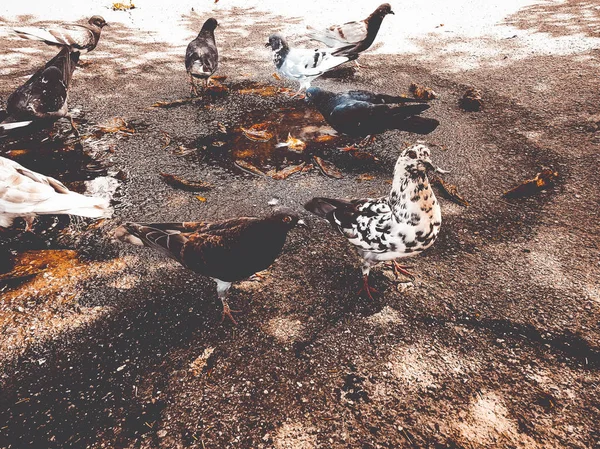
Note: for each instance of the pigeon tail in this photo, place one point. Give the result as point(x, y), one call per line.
point(323, 207)
point(73, 203)
point(13, 125)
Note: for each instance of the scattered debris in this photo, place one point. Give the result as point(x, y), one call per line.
point(273, 202)
point(166, 138)
point(222, 128)
point(201, 199)
point(198, 365)
point(265, 91)
point(471, 101)
point(216, 89)
point(292, 144)
point(325, 138)
point(449, 191)
point(541, 181)
point(328, 168)
point(248, 167)
point(258, 132)
point(180, 183)
point(116, 125)
point(365, 177)
point(422, 92)
point(123, 6)
point(276, 76)
point(308, 168)
point(168, 104)
point(286, 172)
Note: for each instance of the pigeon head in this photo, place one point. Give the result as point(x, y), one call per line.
point(97, 21)
point(276, 42)
point(415, 161)
point(318, 97)
point(210, 25)
point(286, 217)
point(383, 10)
point(51, 75)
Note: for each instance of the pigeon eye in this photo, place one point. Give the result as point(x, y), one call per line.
point(287, 219)
point(412, 154)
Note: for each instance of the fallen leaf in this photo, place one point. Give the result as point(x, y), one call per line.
point(180, 183)
point(199, 364)
point(328, 168)
point(201, 199)
point(365, 177)
point(276, 76)
point(363, 156)
point(17, 153)
point(292, 144)
point(219, 77)
point(471, 101)
point(348, 148)
point(258, 132)
point(222, 128)
point(265, 91)
point(324, 138)
point(122, 6)
point(542, 180)
point(286, 172)
point(248, 167)
point(166, 139)
point(168, 104)
point(422, 92)
point(308, 168)
point(450, 191)
point(115, 125)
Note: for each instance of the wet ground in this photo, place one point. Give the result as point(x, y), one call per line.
point(494, 345)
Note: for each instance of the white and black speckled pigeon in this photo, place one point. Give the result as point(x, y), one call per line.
point(25, 193)
point(301, 64)
point(75, 36)
point(362, 113)
point(201, 56)
point(402, 224)
point(227, 251)
point(43, 98)
point(352, 38)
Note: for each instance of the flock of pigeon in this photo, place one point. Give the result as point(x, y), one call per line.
point(401, 224)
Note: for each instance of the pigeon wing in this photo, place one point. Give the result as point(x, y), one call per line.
point(363, 112)
point(349, 33)
point(365, 95)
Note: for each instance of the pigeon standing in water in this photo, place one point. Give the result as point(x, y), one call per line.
point(25, 193)
point(72, 35)
point(227, 251)
point(201, 56)
point(353, 38)
point(43, 98)
point(300, 64)
point(363, 113)
point(402, 224)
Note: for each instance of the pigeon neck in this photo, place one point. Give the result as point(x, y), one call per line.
point(373, 24)
point(280, 54)
point(207, 32)
point(408, 184)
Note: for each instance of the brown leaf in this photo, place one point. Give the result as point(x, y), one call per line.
point(293, 144)
point(168, 104)
point(265, 91)
point(249, 168)
point(180, 183)
point(365, 177)
point(422, 92)
point(201, 199)
point(449, 191)
point(286, 172)
point(115, 125)
point(324, 138)
point(308, 168)
point(258, 132)
point(328, 168)
point(222, 128)
point(276, 76)
point(166, 139)
point(542, 180)
point(471, 101)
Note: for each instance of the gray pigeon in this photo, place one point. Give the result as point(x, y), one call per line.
point(72, 35)
point(402, 224)
point(226, 251)
point(43, 98)
point(301, 64)
point(352, 38)
point(201, 56)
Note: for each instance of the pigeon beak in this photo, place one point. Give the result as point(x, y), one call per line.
point(302, 224)
point(392, 12)
point(268, 44)
point(428, 165)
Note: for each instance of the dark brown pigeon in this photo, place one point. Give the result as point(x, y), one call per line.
point(43, 98)
point(226, 251)
point(72, 35)
point(201, 56)
point(352, 38)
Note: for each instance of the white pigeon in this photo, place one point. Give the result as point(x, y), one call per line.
point(302, 64)
point(25, 193)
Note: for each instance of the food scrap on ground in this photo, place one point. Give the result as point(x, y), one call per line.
point(181, 183)
point(472, 100)
point(293, 144)
point(259, 132)
point(422, 92)
point(328, 168)
point(249, 168)
point(286, 172)
point(546, 178)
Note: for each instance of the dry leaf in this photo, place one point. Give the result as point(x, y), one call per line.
point(276, 76)
point(201, 199)
point(286, 172)
point(293, 144)
point(265, 91)
point(365, 177)
point(122, 6)
point(258, 132)
point(166, 139)
point(471, 101)
point(450, 191)
point(168, 104)
point(542, 180)
point(198, 365)
point(180, 183)
point(308, 168)
point(248, 167)
point(422, 92)
point(115, 125)
point(324, 138)
point(222, 128)
point(328, 168)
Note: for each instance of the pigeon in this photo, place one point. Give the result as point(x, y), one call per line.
point(301, 64)
point(43, 98)
point(72, 35)
point(201, 56)
point(402, 224)
point(226, 251)
point(353, 38)
point(25, 193)
point(362, 113)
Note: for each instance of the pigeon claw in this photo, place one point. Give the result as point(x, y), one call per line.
point(367, 289)
point(227, 313)
point(400, 270)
